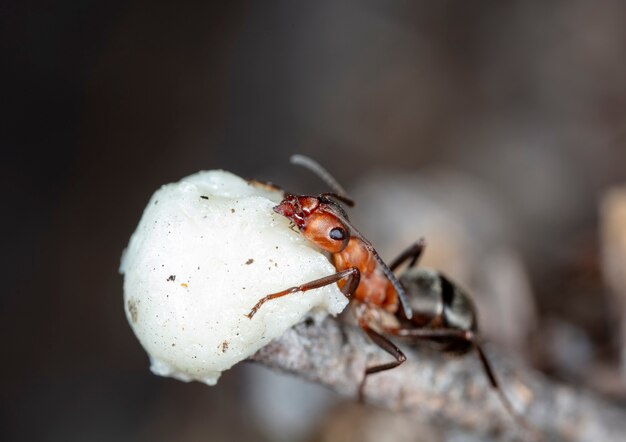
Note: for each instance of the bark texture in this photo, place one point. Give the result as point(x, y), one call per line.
point(453, 390)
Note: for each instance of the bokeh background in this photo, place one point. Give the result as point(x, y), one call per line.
point(494, 129)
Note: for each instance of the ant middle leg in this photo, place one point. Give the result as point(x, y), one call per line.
point(386, 345)
point(413, 252)
point(351, 275)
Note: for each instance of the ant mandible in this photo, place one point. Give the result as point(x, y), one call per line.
point(426, 304)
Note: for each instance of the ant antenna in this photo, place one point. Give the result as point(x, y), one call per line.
point(402, 295)
point(338, 191)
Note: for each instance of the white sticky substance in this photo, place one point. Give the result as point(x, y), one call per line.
point(205, 251)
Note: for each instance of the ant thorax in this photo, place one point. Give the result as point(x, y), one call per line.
point(374, 288)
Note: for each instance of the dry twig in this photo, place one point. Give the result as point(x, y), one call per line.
point(436, 386)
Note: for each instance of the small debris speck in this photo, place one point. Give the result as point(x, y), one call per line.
point(204, 197)
point(172, 278)
point(184, 285)
point(224, 346)
point(132, 309)
point(248, 262)
point(232, 210)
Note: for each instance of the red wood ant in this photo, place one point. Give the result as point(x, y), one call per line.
point(427, 306)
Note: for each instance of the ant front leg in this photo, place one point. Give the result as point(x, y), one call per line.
point(413, 253)
point(351, 275)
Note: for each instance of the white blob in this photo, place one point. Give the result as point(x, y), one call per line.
point(206, 250)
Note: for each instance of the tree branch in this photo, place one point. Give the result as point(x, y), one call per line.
point(436, 386)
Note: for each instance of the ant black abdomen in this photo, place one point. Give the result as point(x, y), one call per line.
point(438, 303)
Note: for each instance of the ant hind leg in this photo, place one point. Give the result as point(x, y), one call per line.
point(471, 337)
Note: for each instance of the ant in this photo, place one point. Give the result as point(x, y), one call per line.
point(427, 306)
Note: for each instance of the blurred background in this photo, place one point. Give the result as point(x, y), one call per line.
point(496, 130)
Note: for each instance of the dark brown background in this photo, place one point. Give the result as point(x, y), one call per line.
point(105, 101)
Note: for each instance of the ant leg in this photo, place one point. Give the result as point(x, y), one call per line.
point(468, 336)
point(472, 338)
point(413, 253)
point(386, 345)
point(351, 275)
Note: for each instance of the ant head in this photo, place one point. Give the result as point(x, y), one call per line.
point(319, 219)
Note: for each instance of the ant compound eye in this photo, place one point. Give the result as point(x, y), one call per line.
point(337, 234)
